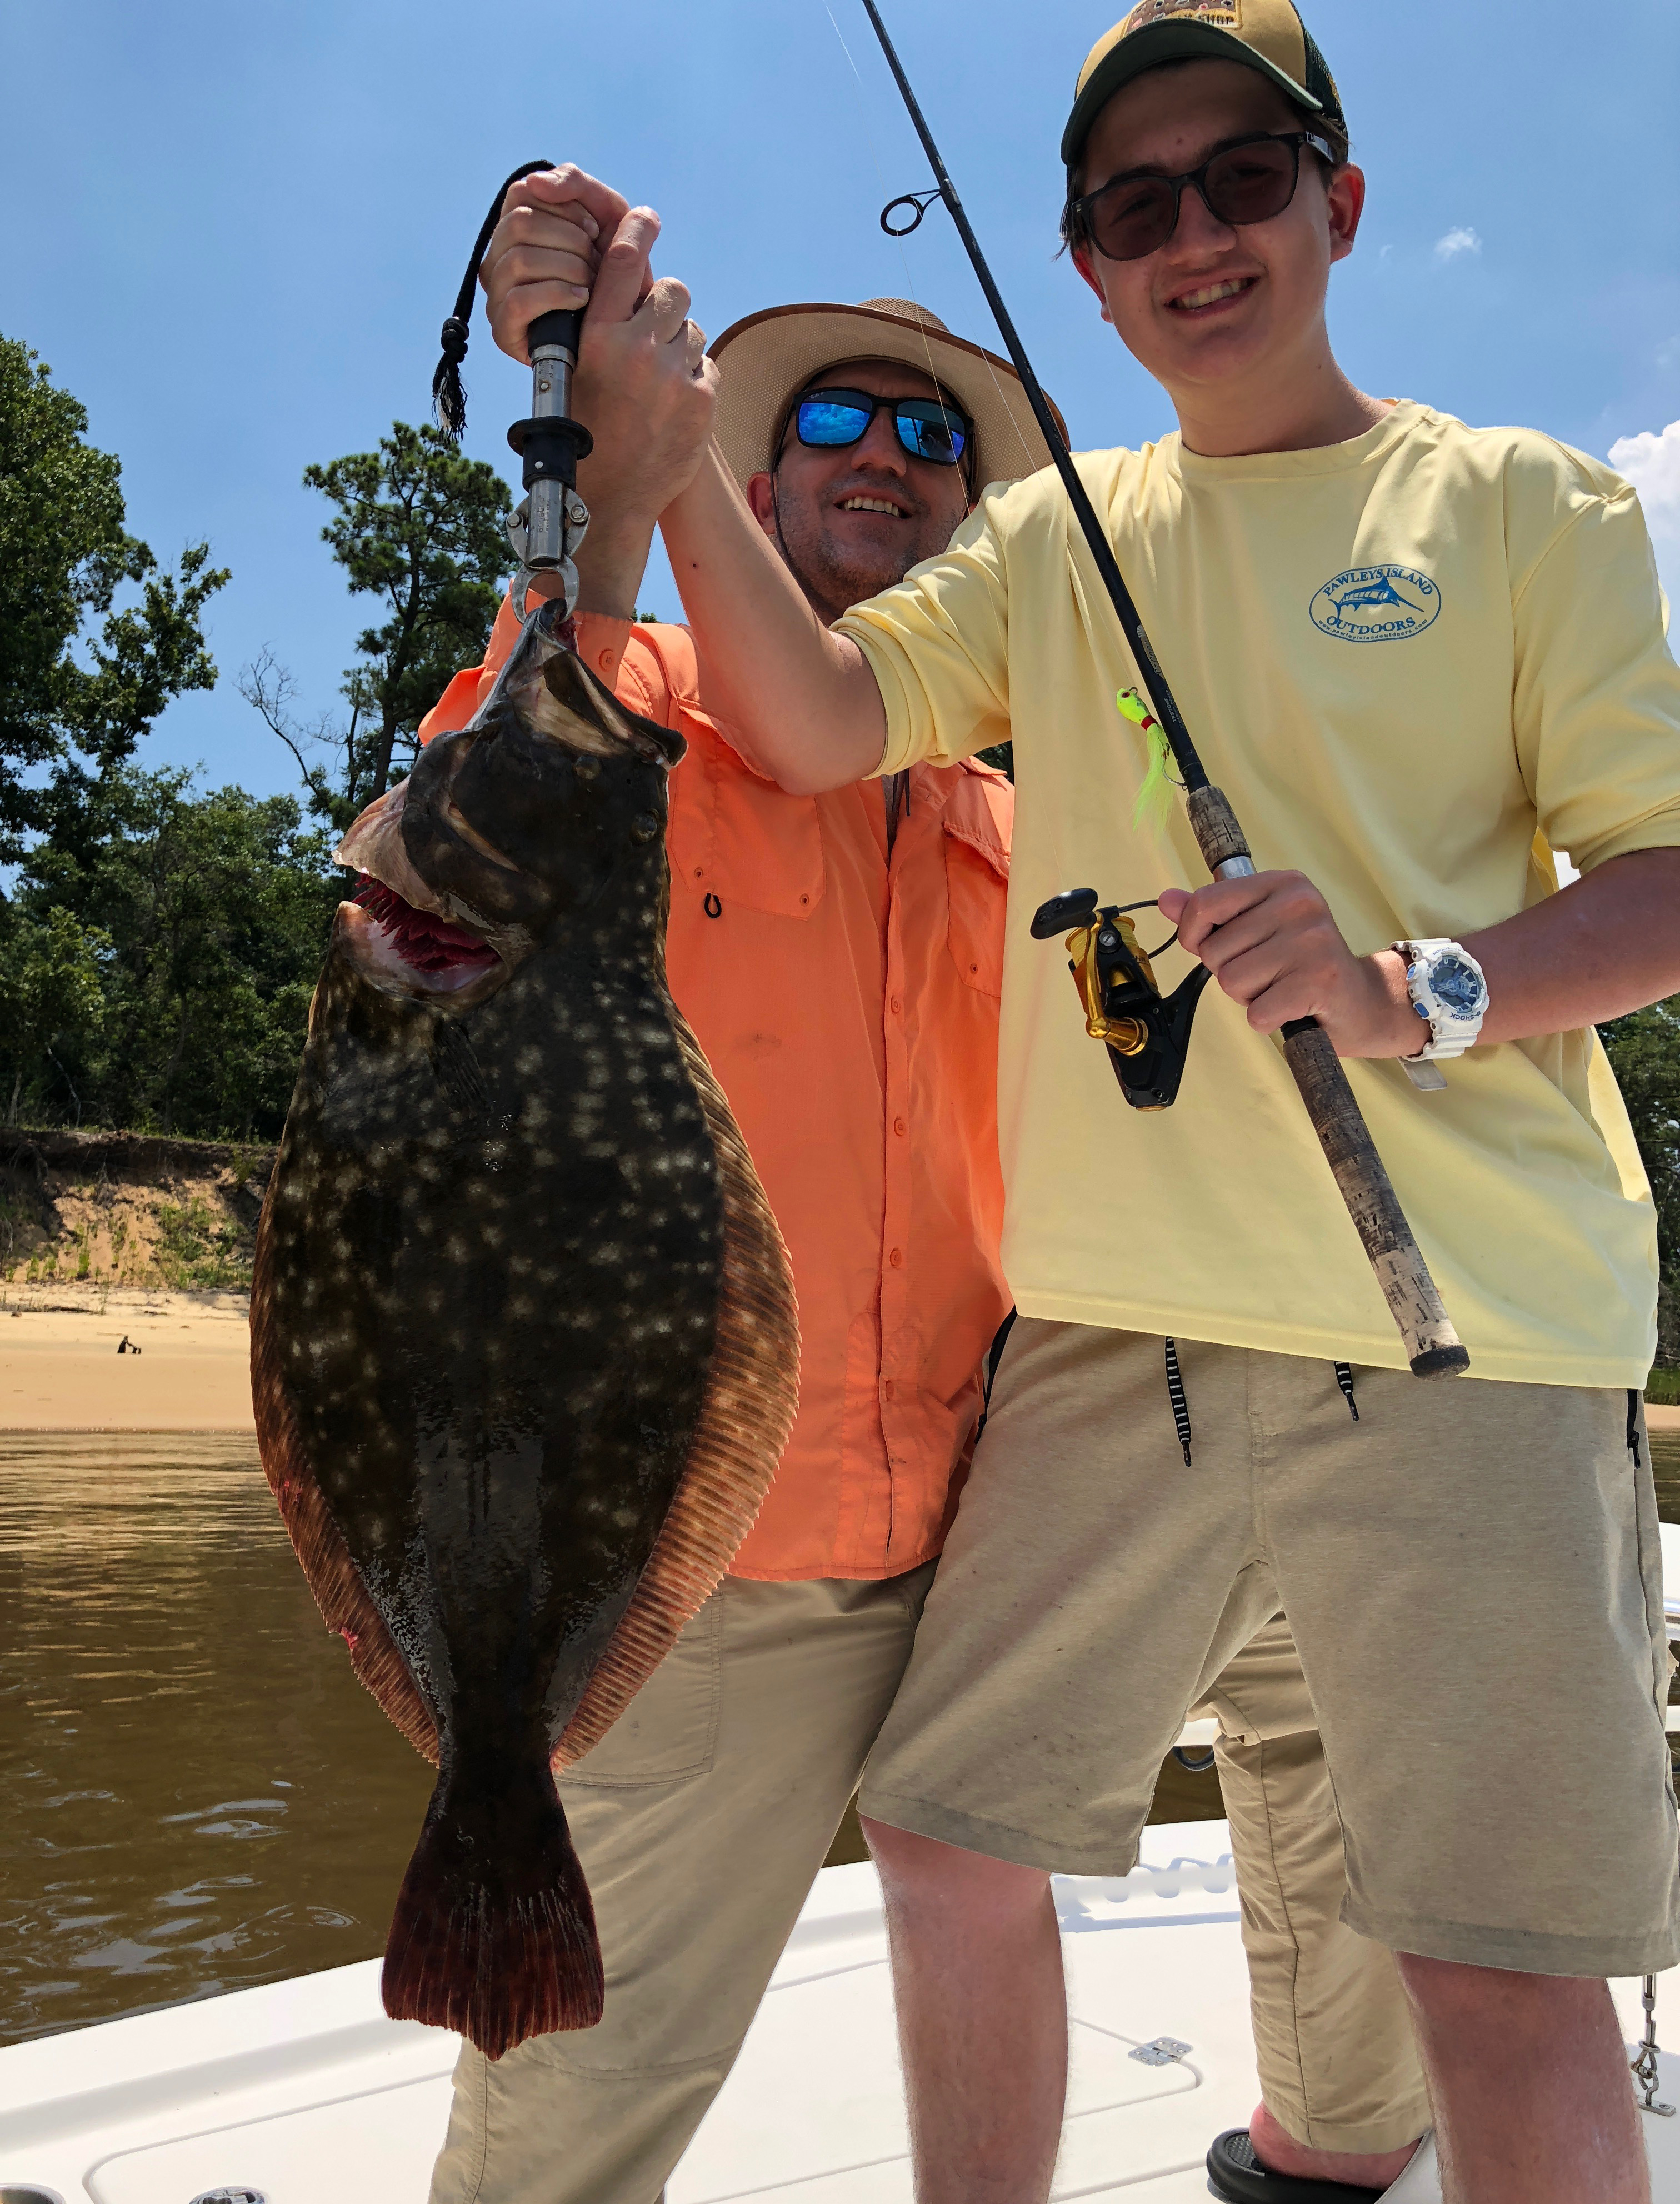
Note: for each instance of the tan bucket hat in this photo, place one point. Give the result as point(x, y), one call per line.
point(765, 360)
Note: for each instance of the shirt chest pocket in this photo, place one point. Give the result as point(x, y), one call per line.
point(737, 842)
point(976, 887)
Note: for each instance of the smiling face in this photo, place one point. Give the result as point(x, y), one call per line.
point(1230, 320)
point(851, 523)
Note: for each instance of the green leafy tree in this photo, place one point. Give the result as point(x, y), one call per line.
point(208, 913)
point(81, 682)
point(424, 529)
point(52, 995)
point(1644, 1053)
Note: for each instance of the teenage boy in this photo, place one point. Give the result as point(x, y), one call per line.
point(841, 958)
point(1418, 657)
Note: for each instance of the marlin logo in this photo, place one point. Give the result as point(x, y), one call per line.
point(1376, 604)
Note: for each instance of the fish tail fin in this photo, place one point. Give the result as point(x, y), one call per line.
point(493, 1934)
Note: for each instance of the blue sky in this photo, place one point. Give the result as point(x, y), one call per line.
point(233, 232)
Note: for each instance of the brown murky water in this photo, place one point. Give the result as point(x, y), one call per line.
point(198, 1796)
point(195, 1793)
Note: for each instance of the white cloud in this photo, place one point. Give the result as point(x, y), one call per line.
point(1455, 242)
point(1651, 462)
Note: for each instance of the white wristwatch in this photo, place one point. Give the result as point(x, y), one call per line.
point(1449, 991)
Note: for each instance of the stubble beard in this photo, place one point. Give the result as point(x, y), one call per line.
point(832, 580)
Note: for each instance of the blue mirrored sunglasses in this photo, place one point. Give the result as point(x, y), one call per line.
point(828, 420)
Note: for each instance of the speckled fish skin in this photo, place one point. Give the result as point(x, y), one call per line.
point(494, 1263)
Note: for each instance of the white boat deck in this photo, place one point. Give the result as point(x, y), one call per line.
point(303, 2092)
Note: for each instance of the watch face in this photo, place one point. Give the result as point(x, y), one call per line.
point(1457, 987)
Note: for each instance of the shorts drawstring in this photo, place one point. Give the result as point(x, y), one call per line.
point(1344, 1379)
point(1176, 1394)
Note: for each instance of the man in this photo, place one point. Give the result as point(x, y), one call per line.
point(1404, 774)
point(840, 958)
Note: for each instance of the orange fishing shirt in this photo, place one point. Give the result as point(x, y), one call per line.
point(848, 1002)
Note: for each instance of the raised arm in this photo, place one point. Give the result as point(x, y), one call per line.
point(801, 700)
point(644, 387)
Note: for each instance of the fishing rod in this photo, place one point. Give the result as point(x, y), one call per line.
point(1413, 1302)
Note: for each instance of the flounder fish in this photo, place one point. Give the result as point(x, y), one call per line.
point(524, 1352)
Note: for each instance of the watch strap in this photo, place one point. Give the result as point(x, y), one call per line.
point(1449, 1037)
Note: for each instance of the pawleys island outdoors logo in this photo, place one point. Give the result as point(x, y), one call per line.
point(1376, 604)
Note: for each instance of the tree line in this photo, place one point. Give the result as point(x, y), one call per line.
point(159, 940)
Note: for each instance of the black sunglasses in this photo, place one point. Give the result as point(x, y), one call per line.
point(1133, 216)
point(829, 420)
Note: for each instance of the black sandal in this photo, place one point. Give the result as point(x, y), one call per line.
point(1235, 2176)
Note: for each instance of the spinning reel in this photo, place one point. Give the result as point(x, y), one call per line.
point(1147, 1033)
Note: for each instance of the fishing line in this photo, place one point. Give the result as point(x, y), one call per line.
point(899, 236)
point(880, 178)
point(910, 293)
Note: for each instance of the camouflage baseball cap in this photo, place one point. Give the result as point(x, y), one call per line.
point(1268, 35)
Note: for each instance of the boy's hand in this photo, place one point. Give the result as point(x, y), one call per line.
point(644, 387)
point(1272, 945)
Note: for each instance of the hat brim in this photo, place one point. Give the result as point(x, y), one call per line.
point(1148, 49)
point(765, 359)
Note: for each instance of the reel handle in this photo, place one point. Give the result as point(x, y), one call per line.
point(1432, 1345)
point(1073, 907)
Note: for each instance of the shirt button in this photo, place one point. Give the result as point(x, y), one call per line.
point(900, 1127)
point(897, 1259)
point(605, 660)
point(895, 1006)
point(887, 1388)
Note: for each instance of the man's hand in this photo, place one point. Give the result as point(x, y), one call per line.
point(544, 251)
point(1272, 945)
point(644, 387)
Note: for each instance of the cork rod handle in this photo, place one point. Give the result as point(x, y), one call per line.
point(1433, 1346)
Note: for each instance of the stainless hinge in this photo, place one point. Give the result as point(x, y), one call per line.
point(1165, 2051)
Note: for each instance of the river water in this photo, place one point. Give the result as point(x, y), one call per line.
point(196, 1795)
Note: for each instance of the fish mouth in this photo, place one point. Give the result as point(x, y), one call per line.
point(402, 949)
point(399, 935)
point(448, 955)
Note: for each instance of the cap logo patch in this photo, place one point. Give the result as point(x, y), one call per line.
point(1222, 14)
point(1376, 604)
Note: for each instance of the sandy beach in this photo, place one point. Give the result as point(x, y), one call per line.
point(60, 1369)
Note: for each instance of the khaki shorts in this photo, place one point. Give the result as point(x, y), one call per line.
point(1472, 1572)
point(703, 1817)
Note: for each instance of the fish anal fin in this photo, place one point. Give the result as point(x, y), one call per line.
point(346, 1604)
point(752, 1395)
